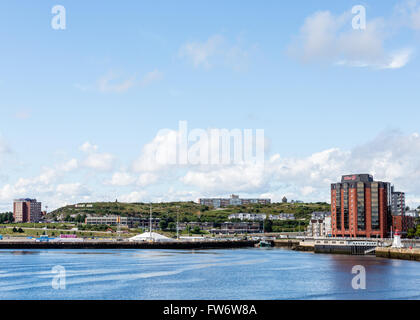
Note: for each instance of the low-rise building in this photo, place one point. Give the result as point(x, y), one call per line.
point(412, 213)
point(320, 215)
point(403, 223)
point(238, 227)
point(247, 216)
point(234, 200)
point(124, 221)
point(319, 227)
point(282, 216)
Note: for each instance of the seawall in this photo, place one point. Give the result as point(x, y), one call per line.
point(126, 245)
point(403, 254)
point(286, 243)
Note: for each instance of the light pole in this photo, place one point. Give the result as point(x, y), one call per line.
point(177, 222)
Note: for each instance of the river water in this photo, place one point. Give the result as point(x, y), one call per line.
point(261, 274)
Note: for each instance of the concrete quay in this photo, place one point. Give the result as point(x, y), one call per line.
point(127, 245)
point(395, 253)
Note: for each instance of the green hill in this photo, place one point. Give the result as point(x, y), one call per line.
point(188, 211)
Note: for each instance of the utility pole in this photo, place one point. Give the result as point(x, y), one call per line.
point(177, 222)
point(150, 222)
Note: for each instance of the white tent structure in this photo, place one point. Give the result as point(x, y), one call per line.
point(151, 236)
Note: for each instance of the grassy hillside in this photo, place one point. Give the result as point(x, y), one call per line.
point(188, 211)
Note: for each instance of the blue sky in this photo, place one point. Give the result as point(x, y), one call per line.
point(120, 72)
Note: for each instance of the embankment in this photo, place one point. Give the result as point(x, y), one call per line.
point(403, 254)
point(126, 245)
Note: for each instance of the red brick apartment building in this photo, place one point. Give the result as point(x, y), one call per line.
point(26, 210)
point(361, 207)
point(403, 223)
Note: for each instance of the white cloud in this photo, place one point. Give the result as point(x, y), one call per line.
point(331, 39)
point(409, 13)
point(110, 83)
point(99, 161)
point(72, 189)
point(69, 165)
point(88, 147)
point(146, 179)
point(157, 154)
point(96, 160)
point(151, 77)
point(122, 179)
point(216, 50)
point(391, 156)
point(227, 179)
point(135, 196)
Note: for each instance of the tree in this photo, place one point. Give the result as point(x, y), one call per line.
point(172, 226)
point(268, 226)
point(196, 230)
point(411, 233)
point(163, 224)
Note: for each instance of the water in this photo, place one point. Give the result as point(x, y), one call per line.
point(262, 274)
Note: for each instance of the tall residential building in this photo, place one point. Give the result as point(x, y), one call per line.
point(361, 207)
point(397, 203)
point(26, 210)
point(234, 200)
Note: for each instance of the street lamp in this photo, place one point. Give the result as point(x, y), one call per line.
point(177, 222)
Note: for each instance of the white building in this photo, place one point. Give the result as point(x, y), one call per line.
point(247, 216)
point(282, 217)
point(319, 227)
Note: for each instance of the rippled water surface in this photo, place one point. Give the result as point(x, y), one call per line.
point(207, 274)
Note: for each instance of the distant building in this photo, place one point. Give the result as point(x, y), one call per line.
point(26, 210)
point(282, 216)
point(234, 200)
point(261, 217)
point(403, 224)
point(397, 203)
point(361, 207)
point(247, 216)
point(204, 226)
point(319, 227)
point(320, 215)
point(296, 201)
point(238, 227)
point(83, 205)
point(412, 213)
point(124, 221)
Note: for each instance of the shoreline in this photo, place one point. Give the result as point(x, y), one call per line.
point(290, 244)
point(380, 252)
point(128, 245)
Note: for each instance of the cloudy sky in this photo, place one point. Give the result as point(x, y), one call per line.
point(82, 109)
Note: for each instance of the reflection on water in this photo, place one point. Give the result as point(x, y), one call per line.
point(202, 274)
point(21, 252)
